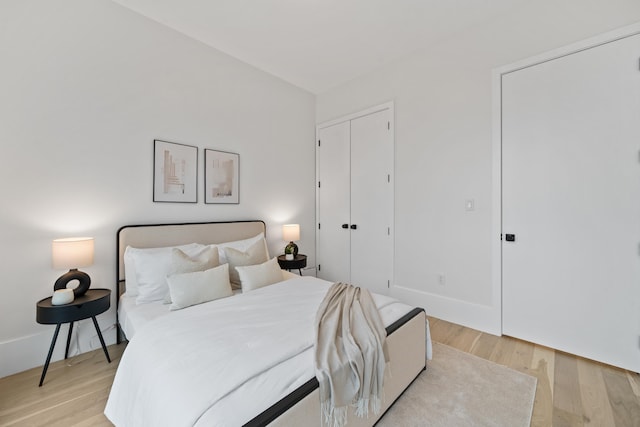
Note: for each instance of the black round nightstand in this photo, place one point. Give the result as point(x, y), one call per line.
point(89, 305)
point(299, 262)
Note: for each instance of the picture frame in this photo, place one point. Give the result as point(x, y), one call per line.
point(175, 172)
point(221, 177)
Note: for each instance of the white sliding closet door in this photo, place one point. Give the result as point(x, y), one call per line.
point(571, 197)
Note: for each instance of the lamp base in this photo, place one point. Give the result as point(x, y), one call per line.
point(74, 274)
point(291, 248)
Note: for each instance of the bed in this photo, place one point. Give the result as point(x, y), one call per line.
point(267, 345)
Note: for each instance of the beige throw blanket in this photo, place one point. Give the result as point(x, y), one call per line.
point(350, 353)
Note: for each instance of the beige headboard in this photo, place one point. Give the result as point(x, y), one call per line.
point(159, 235)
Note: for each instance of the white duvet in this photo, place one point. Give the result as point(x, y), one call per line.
point(224, 362)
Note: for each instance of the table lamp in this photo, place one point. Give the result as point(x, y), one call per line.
point(291, 232)
point(73, 253)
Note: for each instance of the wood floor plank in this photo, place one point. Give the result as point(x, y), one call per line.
point(452, 338)
point(522, 357)
point(503, 351)
point(542, 366)
point(94, 421)
point(596, 406)
point(484, 345)
point(634, 381)
point(544, 360)
point(440, 329)
point(625, 405)
point(567, 401)
point(463, 339)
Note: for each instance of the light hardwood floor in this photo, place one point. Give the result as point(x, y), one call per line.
point(571, 391)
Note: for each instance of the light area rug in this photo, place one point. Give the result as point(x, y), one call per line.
point(459, 389)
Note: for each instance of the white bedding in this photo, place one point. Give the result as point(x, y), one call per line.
point(132, 316)
point(209, 364)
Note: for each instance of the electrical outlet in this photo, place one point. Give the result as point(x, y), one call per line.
point(470, 205)
point(442, 279)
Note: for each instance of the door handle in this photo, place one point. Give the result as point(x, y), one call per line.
point(510, 237)
point(353, 226)
point(345, 225)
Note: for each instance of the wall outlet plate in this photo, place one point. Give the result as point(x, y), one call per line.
point(470, 205)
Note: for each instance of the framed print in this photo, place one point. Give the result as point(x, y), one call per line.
point(175, 172)
point(221, 177)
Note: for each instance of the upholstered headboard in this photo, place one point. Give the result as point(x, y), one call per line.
point(159, 235)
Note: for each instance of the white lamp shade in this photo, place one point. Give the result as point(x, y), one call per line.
point(74, 252)
point(291, 232)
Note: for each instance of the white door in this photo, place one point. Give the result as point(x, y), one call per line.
point(355, 200)
point(571, 198)
point(334, 203)
point(371, 202)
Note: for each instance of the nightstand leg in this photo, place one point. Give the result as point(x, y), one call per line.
point(104, 347)
point(46, 364)
point(66, 351)
point(300, 271)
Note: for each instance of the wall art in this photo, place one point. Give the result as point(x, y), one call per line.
point(221, 177)
point(175, 172)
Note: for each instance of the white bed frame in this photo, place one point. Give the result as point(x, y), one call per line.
point(406, 337)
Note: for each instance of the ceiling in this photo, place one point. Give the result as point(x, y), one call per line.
point(319, 44)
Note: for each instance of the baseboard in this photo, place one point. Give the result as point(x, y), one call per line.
point(476, 316)
point(30, 351)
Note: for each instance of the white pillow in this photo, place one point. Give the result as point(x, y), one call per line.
point(242, 245)
point(148, 259)
point(183, 263)
point(189, 289)
point(256, 276)
point(152, 278)
point(255, 254)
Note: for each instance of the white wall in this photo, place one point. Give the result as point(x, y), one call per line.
point(85, 88)
point(443, 104)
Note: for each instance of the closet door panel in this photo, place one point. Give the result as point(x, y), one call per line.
point(334, 203)
point(372, 201)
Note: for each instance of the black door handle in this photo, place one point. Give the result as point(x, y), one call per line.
point(353, 226)
point(510, 237)
point(345, 225)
